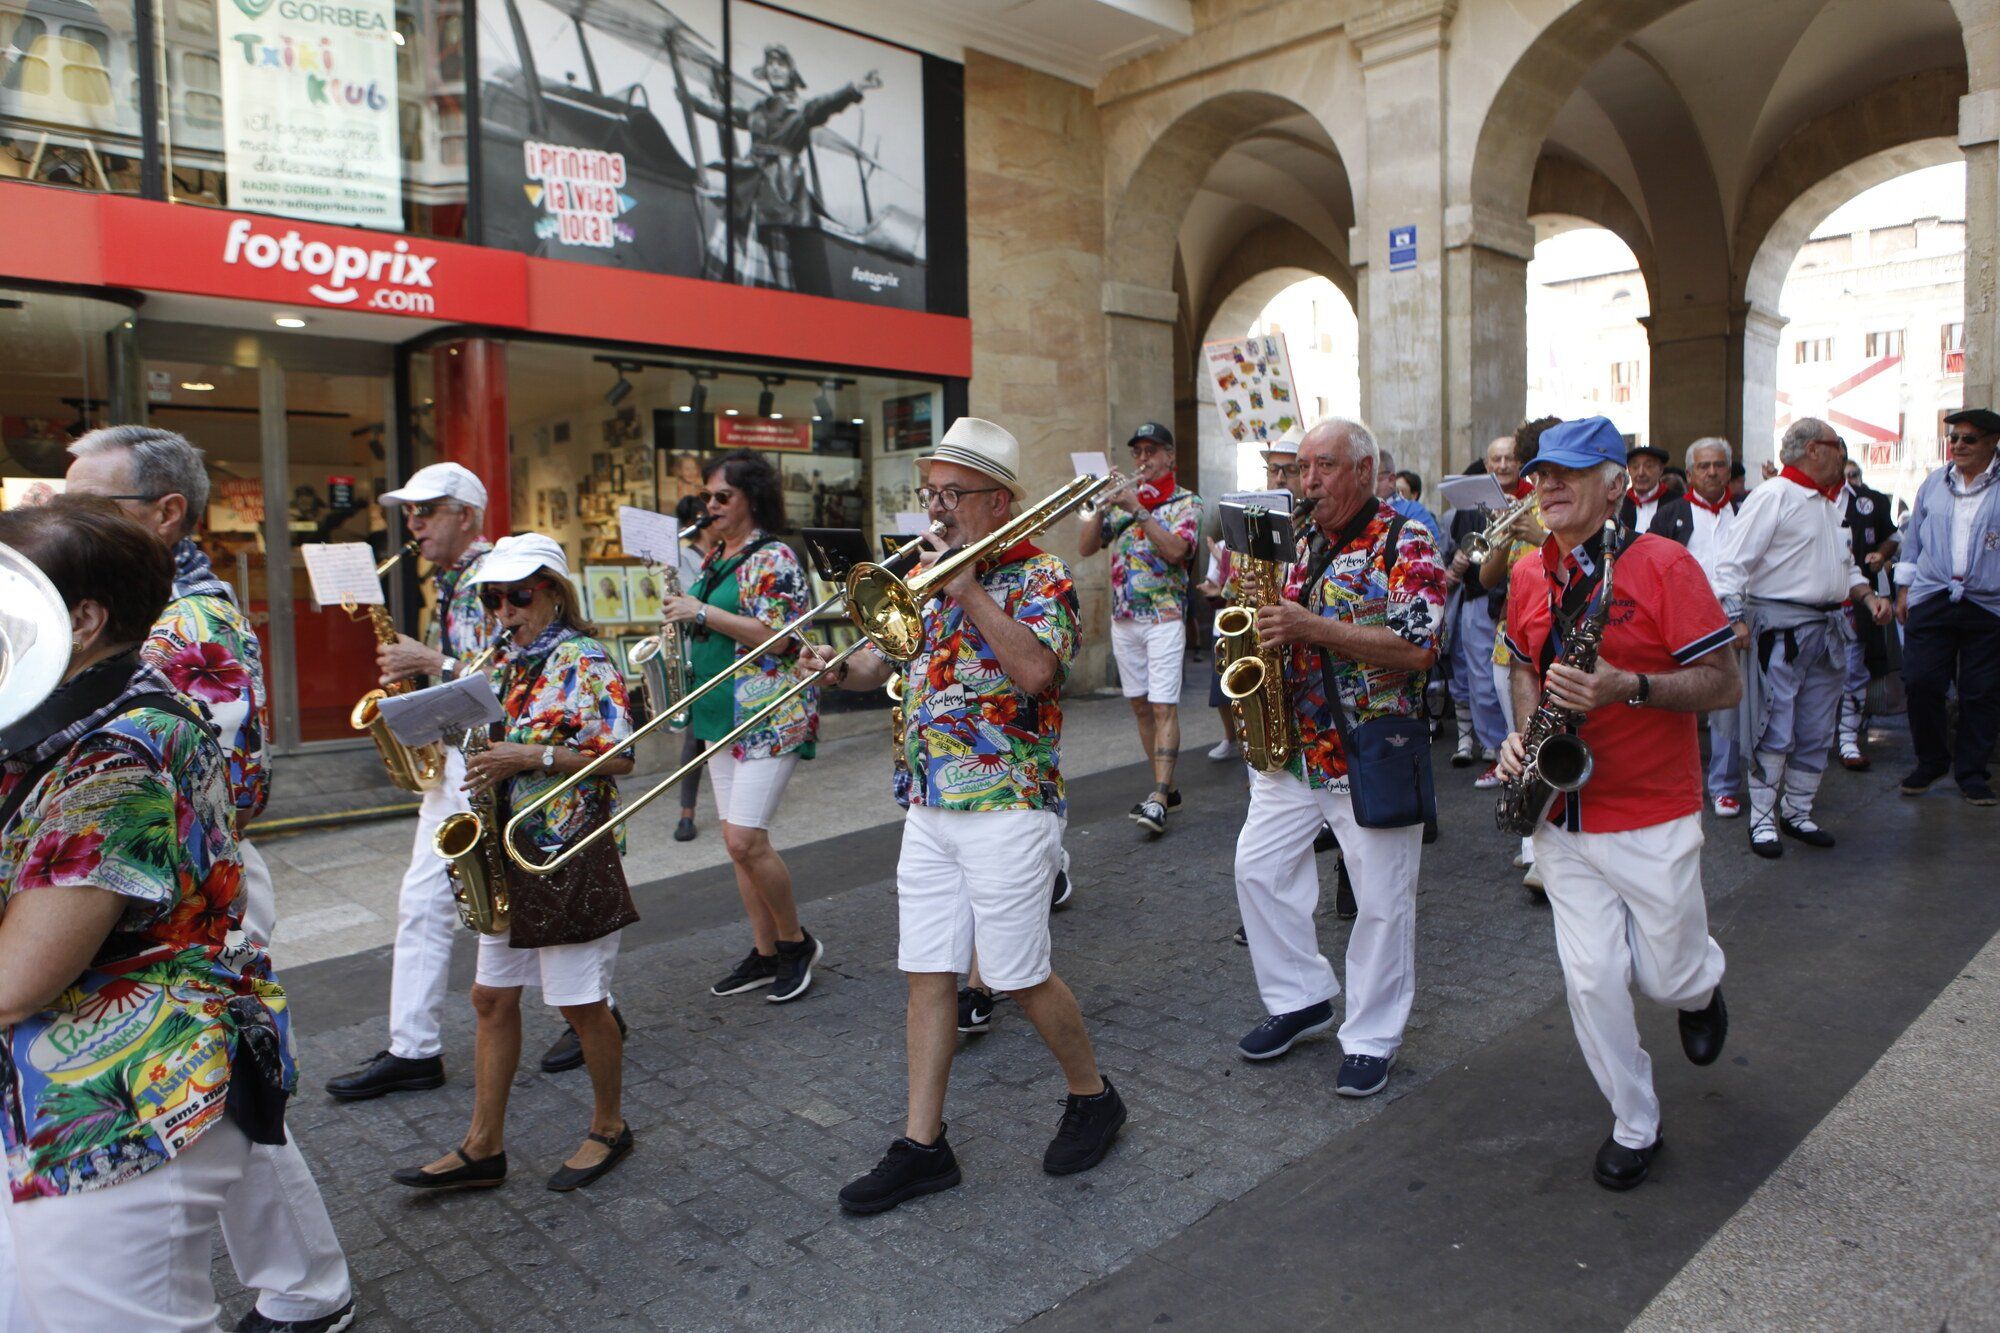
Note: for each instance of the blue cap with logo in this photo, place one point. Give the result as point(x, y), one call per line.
point(1579, 444)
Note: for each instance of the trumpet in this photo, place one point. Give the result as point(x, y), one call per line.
point(888, 611)
point(1089, 510)
point(1482, 543)
point(418, 768)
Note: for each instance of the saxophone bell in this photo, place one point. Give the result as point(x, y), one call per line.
point(414, 768)
point(469, 843)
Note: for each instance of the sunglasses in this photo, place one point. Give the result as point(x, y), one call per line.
point(429, 508)
point(1960, 437)
point(523, 597)
point(716, 497)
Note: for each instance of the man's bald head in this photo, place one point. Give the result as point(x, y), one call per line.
point(1337, 467)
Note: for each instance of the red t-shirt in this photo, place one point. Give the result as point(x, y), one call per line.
point(1646, 761)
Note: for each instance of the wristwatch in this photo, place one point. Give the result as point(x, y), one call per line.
point(1643, 693)
point(449, 668)
point(549, 755)
point(701, 618)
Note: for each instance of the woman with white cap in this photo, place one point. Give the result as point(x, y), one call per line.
point(565, 703)
point(750, 584)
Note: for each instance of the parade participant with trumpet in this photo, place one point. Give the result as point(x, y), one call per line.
point(566, 706)
point(1360, 618)
point(275, 1224)
point(1621, 855)
point(120, 894)
point(750, 584)
point(983, 838)
point(1151, 528)
point(444, 509)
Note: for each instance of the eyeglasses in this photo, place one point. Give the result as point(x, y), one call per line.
point(1148, 450)
point(522, 597)
point(947, 497)
point(428, 508)
point(142, 499)
point(717, 497)
point(1284, 469)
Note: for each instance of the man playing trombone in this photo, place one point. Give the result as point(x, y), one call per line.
point(983, 837)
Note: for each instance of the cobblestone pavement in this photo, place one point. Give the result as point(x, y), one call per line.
point(750, 1116)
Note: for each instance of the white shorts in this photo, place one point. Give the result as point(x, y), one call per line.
point(1149, 658)
point(747, 791)
point(567, 973)
point(979, 879)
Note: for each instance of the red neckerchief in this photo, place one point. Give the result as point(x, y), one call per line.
point(1791, 472)
point(1153, 494)
point(1521, 487)
point(1638, 499)
point(1019, 551)
point(1694, 498)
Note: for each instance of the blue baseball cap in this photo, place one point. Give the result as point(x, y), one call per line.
point(1582, 443)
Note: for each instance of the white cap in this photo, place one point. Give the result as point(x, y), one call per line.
point(990, 450)
point(515, 558)
point(439, 481)
point(1288, 443)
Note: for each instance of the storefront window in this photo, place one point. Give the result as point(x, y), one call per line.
point(347, 113)
point(59, 353)
point(69, 94)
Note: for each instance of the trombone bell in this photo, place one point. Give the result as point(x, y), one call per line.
point(884, 608)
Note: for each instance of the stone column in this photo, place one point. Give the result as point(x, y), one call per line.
point(1979, 139)
point(1139, 333)
point(1486, 329)
point(1755, 433)
point(1693, 354)
point(1406, 368)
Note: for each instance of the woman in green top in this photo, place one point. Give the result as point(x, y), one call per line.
point(750, 584)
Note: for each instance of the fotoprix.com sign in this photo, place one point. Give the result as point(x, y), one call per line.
point(198, 250)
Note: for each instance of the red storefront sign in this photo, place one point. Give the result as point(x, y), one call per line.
point(209, 252)
point(763, 433)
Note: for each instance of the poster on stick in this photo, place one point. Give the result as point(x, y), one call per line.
point(309, 109)
point(1254, 390)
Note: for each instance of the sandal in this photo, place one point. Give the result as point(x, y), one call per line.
point(569, 1178)
point(471, 1174)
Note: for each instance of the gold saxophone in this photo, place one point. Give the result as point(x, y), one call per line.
point(1253, 678)
point(662, 664)
point(418, 768)
point(469, 842)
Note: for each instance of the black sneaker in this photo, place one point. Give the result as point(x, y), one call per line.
point(756, 969)
point(1703, 1030)
point(1363, 1075)
point(1242, 936)
point(1060, 891)
point(566, 1052)
point(1343, 897)
point(1918, 781)
point(795, 968)
point(388, 1073)
point(1620, 1168)
point(1174, 799)
point(975, 1009)
point(684, 831)
point(1275, 1035)
point(1089, 1124)
point(1324, 841)
point(1151, 815)
point(907, 1171)
point(1977, 792)
point(259, 1322)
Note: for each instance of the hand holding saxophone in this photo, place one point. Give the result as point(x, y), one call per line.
point(405, 659)
point(1585, 691)
point(488, 768)
point(1282, 623)
point(679, 609)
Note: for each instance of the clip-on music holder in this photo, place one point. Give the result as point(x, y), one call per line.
point(834, 551)
point(1260, 534)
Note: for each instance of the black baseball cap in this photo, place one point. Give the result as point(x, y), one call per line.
point(1982, 419)
point(1154, 431)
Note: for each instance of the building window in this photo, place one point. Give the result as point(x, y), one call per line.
point(1624, 374)
point(69, 114)
point(1888, 342)
point(1951, 346)
point(1808, 350)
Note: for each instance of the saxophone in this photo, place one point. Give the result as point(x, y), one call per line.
point(469, 842)
point(662, 664)
point(418, 768)
point(1556, 760)
point(1253, 678)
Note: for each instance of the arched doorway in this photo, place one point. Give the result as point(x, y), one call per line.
point(1588, 304)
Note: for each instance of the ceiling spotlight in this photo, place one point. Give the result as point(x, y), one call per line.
point(289, 322)
point(823, 400)
point(861, 421)
point(729, 411)
point(698, 395)
point(765, 401)
point(620, 391)
point(775, 416)
point(197, 386)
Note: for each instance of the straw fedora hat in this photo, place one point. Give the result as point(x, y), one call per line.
point(990, 450)
point(1288, 444)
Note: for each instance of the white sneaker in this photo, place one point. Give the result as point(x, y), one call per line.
point(1489, 779)
point(1533, 880)
point(1226, 749)
point(1489, 754)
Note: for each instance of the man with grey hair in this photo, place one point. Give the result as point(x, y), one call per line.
point(1785, 576)
point(1711, 512)
point(276, 1227)
point(1358, 624)
point(1386, 492)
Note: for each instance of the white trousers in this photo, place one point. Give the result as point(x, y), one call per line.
point(280, 1240)
point(426, 924)
point(1277, 891)
point(1628, 906)
point(260, 899)
point(134, 1256)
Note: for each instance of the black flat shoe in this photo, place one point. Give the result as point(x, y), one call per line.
point(566, 1052)
point(482, 1174)
point(569, 1178)
point(1768, 848)
point(1812, 835)
point(684, 831)
point(1620, 1168)
point(1704, 1030)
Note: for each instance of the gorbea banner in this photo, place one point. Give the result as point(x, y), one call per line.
point(309, 109)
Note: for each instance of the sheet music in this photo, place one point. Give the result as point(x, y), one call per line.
point(342, 572)
point(910, 525)
point(1277, 502)
point(447, 710)
point(650, 536)
point(1475, 492)
point(1090, 465)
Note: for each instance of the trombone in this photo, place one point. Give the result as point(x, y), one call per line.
point(886, 608)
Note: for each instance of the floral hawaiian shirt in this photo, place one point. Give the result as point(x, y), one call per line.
point(563, 689)
point(1144, 587)
point(204, 645)
point(970, 739)
point(771, 588)
point(131, 1064)
point(459, 626)
point(1363, 587)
